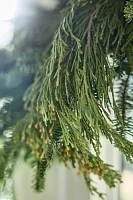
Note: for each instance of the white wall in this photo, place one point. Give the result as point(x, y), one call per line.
point(110, 155)
point(61, 184)
point(65, 184)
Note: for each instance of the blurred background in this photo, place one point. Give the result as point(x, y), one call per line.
point(23, 36)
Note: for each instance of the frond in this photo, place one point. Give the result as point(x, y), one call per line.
point(128, 11)
point(65, 102)
point(69, 104)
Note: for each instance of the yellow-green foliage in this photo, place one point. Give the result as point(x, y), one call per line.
point(128, 11)
point(67, 101)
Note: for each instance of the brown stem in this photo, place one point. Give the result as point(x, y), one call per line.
point(65, 56)
point(89, 31)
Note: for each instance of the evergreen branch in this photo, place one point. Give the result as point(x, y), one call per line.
point(81, 82)
point(42, 167)
point(128, 11)
point(124, 94)
point(122, 102)
point(65, 56)
point(89, 30)
point(65, 102)
point(6, 160)
point(39, 179)
point(92, 188)
point(8, 157)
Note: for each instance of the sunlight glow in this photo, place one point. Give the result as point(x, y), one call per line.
point(7, 13)
point(7, 9)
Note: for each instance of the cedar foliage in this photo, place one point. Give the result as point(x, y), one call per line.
point(70, 100)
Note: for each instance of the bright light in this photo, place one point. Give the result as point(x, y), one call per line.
point(7, 12)
point(7, 9)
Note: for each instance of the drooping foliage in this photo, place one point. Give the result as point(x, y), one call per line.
point(70, 102)
point(129, 11)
